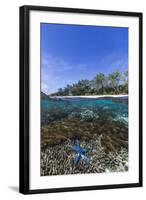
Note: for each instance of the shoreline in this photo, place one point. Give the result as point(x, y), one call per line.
point(88, 97)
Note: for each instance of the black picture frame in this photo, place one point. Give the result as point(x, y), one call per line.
point(25, 105)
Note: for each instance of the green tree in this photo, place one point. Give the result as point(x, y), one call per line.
point(100, 82)
point(125, 82)
point(114, 81)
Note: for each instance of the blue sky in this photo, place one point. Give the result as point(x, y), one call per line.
point(70, 53)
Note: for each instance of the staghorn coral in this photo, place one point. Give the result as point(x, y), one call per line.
point(59, 159)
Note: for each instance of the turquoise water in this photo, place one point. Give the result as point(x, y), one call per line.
point(84, 109)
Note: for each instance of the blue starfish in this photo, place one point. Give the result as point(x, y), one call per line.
point(80, 153)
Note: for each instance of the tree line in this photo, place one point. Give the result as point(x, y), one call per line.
point(113, 83)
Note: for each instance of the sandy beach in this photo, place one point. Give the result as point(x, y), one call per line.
point(89, 97)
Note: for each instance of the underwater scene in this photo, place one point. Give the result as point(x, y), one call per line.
point(84, 135)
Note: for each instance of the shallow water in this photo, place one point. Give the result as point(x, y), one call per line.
point(84, 109)
point(101, 127)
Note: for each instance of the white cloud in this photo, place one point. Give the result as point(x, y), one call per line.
point(113, 62)
point(82, 67)
point(53, 71)
point(44, 87)
point(59, 64)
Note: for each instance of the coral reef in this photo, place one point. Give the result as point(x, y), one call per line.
point(100, 126)
point(58, 160)
point(114, 134)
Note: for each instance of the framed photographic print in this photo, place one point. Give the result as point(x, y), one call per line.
point(80, 99)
